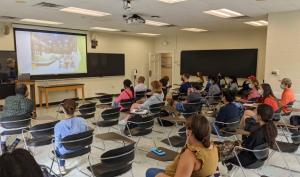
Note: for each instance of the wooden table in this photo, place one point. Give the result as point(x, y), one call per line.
point(58, 88)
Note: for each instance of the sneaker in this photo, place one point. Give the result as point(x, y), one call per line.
point(3, 148)
point(63, 170)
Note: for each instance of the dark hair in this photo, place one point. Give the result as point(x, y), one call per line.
point(164, 81)
point(69, 106)
point(215, 79)
point(266, 113)
point(267, 91)
point(229, 96)
point(186, 75)
point(200, 127)
point(21, 89)
point(19, 163)
point(128, 84)
point(196, 85)
point(233, 78)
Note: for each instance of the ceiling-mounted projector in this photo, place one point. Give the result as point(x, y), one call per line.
point(134, 19)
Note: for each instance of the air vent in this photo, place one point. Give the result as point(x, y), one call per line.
point(124, 31)
point(48, 5)
point(8, 18)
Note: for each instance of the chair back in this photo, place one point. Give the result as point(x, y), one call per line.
point(126, 104)
point(182, 132)
point(106, 99)
point(88, 108)
point(123, 155)
point(277, 115)
point(156, 108)
point(139, 95)
point(78, 141)
point(16, 122)
point(261, 152)
point(111, 114)
point(143, 123)
point(42, 130)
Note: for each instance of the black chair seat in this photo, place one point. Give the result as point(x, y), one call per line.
point(176, 141)
point(87, 116)
point(39, 141)
point(106, 170)
point(75, 153)
point(106, 123)
point(255, 165)
point(286, 147)
point(138, 131)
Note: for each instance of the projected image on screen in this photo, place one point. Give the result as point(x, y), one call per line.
point(45, 53)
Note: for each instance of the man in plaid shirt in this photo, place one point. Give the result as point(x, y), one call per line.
point(16, 105)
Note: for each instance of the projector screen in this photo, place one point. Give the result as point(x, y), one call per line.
point(50, 53)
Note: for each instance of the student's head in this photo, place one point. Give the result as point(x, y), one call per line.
point(232, 79)
point(127, 83)
point(286, 83)
point(199, 74)
point(214, 79)
point(11, 63)
point(228, 96)
point(19, 163)
point(141, 80)
point(196, 85)
point(265, 117)
point(21, 89)
point(198, 129)
point(185, 77)
point(69, 106)
point(156, 87)
point(166, 78)
point(253, 82)
point(267, 90)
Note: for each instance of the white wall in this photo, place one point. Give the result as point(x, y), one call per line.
point(214, 40)
point(283, 49)
point(136, 50)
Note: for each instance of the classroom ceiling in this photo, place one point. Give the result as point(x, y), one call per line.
point(184, 14)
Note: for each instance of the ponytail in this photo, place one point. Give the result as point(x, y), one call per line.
point(271, 132)
point(132, 90)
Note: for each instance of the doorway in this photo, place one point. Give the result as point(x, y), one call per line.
point(166, 66)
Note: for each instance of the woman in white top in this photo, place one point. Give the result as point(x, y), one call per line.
point(140, 87)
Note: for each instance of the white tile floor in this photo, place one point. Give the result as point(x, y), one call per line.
point(142, 163)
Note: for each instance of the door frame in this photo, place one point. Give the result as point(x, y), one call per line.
point(172, 52)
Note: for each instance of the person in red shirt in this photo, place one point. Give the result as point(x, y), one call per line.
point(268, 97)
point(287, 96)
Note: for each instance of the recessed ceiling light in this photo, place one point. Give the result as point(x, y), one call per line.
point(155, 23)
point(257, 23)
point(148, 34)
point(41, 21)
point(224, 13)
point(171, 1)
point(194, 29)
point(84, 11)
point(104, 29)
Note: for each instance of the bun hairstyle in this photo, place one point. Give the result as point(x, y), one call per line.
point(200, 128)
point(69, 106)
point(266, 113)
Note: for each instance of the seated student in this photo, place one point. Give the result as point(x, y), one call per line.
point(14, 106)
point(264, 132)
point(165, 85)
point(267, 98)
point(185, 85)
point(221, 81)
point(19, 163)
point(157, 97)
point(287, 96)
point(250, 90)
point(233, 84)
point(208, 84)
point(69, 126)
point(127, 93)
point(198, 158)
point(230, 112)
point(140, 87)
point(201, 78)
point(214, 89)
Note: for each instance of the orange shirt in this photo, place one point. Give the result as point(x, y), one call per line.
point(271, 101)
point(287, 97)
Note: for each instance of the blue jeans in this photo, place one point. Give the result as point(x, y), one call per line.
point(152, 172)
point(61, 161)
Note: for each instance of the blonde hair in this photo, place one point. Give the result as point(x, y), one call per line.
point(141, 79)
point(287, 82)
point(156, 87)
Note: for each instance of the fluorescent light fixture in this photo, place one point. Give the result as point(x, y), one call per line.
point(40, 21)
point(171, 1)
point(224, 13)
point(257, 23)
point(194, 29)
point(155, 23)
point(84, 11)
point(104, 29)
point(148, 34)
